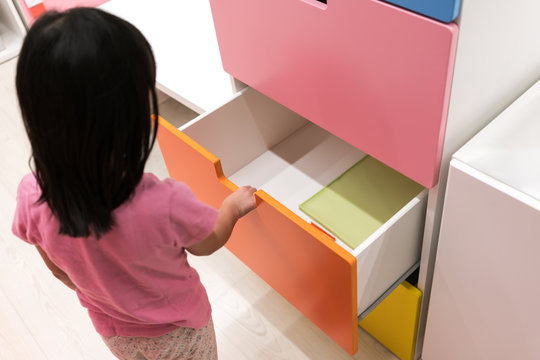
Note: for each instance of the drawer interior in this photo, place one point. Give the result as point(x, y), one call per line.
point(299, 166)
point(262, 143)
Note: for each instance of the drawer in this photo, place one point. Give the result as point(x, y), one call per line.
point(254, 140)
point(443, 10)
point(394, 323)
point(371, 73)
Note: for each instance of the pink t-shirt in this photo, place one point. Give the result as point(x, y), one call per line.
point(135, 280)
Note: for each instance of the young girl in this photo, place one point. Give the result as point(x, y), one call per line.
point(117, 236)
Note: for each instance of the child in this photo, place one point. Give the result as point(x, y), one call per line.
point(117, 236)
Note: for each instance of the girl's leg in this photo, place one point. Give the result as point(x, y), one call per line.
point(192, 344)
point(180, 344)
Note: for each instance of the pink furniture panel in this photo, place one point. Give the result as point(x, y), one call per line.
point(373, 74)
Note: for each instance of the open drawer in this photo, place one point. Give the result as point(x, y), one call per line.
point(254, 140)
point(371, 73)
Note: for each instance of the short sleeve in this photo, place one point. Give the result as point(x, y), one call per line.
point(191, 219)
point(23, 225)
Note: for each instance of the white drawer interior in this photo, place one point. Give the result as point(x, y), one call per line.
point(263, 144)
point(299, 166)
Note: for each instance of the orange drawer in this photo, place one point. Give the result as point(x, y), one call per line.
point(253, 140)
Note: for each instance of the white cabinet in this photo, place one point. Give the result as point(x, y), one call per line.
point(182, 36)
point(484, 301)
point(11, 31)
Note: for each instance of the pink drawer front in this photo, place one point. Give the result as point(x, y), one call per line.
point(373, 74)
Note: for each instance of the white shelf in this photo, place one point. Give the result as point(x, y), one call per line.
point(182, 36)
point(508, 149)
point(12, 44)
point(11, 30)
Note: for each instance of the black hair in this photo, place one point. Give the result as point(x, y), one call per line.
point(86, 87)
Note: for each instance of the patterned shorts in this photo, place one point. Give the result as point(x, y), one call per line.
point(180, 344)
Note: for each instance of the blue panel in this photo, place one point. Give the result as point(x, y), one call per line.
point(443, 10)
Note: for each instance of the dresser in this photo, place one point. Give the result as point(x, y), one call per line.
point(328, 84)
point(325, 89)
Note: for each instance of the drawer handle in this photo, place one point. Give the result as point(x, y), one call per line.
point(321, 4)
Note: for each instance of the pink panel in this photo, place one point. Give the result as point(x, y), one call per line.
point(373, 74)
point(59, 5)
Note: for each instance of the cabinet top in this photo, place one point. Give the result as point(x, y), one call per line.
point(508, 148)
point(185, 46)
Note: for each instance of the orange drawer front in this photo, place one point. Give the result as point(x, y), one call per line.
point(299, 261)
point(253, 140)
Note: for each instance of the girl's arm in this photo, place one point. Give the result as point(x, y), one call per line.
point(236, 205)
point(57, 272)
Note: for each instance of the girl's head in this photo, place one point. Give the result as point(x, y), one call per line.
point(85, 82)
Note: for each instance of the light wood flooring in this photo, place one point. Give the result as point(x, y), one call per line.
point(42, 319)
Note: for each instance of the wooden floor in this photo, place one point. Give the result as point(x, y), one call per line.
point(42, 319)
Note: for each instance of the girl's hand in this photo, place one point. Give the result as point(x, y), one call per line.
point(242, 201)
point(236, 205)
